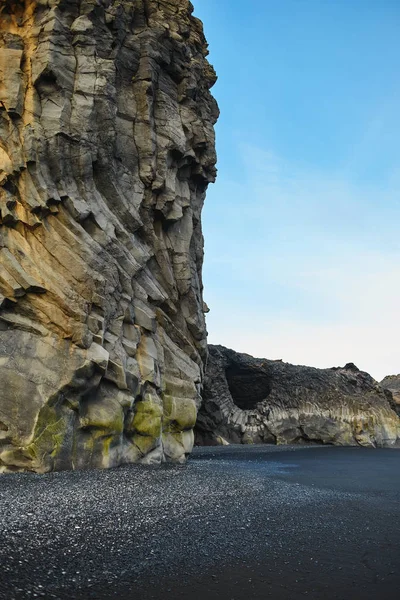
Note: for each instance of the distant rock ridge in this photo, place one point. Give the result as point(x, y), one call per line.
point(106, 151)
point(250, 400)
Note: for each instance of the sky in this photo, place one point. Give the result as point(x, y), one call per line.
point(302, 227)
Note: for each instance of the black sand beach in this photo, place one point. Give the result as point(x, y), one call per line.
point(235, 523)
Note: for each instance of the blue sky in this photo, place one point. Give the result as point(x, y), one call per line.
point(302, 227)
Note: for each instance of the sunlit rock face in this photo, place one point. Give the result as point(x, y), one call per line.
point(249, 400)
point(106, 151)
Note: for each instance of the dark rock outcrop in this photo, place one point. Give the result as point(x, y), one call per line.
point(106, 151)
point(250, 400)
point(392, 383)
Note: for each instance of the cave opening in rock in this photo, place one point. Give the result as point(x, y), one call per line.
point(247, 386)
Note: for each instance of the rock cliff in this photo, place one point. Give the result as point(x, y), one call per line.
point(392, 383)
point(106, 151)
point(249, 400)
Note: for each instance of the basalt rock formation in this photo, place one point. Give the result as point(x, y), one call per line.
point(106, 151)
point(392, 383)
point(249, 400)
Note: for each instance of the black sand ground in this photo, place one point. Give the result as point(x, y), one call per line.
point(236, 523)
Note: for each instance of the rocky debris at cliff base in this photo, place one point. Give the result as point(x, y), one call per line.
point(249, 400)
point(106, 151)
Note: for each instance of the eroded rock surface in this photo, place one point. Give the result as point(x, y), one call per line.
point(392, 383)
point(106, 151)
point(249, 400)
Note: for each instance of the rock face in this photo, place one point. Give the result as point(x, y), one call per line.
point(249, 400)
point(392, 383)
point(106, 151)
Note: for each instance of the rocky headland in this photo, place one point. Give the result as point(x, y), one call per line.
point(106, 151)
point(250, 400)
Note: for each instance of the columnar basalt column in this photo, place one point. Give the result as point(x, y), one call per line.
point(106, 150)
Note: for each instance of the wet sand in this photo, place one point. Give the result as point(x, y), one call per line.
point(235, 523)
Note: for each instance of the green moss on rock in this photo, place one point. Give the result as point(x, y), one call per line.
point(49, 438)
point(147, 418)
point(179, 414)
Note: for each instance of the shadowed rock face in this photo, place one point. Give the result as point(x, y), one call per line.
point(106, 151)
point(392, 383)
point(250, 400)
